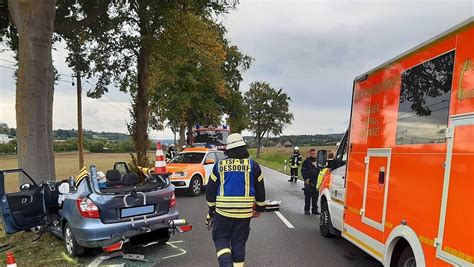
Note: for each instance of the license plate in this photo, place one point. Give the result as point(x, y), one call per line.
point(137, 211)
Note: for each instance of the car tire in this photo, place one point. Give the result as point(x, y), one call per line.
point(195, 186)
point(325, 224)
point(407, 258)
point(72, 248)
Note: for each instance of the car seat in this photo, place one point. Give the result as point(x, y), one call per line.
point(113, 178)
point(130, 179)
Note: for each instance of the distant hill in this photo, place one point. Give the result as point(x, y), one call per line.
point(62, 134)
point(298, 140)
point(294, 140)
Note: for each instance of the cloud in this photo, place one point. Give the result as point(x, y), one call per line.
point(315, 49)
point(312, 49)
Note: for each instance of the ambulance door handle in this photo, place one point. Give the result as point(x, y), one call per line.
point(382, 175)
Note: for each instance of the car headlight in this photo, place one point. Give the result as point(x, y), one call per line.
point(180, 174)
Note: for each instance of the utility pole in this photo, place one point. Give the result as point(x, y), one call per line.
point(80, 141)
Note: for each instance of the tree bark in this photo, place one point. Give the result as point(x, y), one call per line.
point(34, 20)
point(141, 107)
point(259, 141)
point(182, 135)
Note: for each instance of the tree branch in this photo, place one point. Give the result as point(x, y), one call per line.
point(100, 9)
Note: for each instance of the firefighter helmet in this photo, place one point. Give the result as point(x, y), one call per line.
point(235, 140)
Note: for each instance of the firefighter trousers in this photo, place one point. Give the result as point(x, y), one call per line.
point(230, 236)
point(311, 195)
point(294, 174)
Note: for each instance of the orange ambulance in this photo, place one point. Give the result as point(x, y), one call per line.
point(401, 185)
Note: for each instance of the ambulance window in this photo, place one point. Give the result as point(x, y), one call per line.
point(220, 156)
point(341, 153)
point(424, 101)
point(211, 156)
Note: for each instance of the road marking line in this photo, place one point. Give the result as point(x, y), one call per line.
point(284, 220)
point(282, 174)
point(175, 255)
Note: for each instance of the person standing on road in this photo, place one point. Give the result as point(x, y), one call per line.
point(310, 173)
point(235, 193)
point(295, 162)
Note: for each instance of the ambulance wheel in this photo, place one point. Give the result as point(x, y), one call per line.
point(72, 248)
point(325, 223)
point(407, 258)
point(195, 186)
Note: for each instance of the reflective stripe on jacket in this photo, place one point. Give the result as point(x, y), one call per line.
point(234, 187)
point(321, 177)
point(295, 160)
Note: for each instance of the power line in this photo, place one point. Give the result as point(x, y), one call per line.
point(422, 116)
point(108, 103)
point(434, 104)
point(109, 97)
point(7, 67)
point(9, 61)
point(11, 68)
point(60, 80)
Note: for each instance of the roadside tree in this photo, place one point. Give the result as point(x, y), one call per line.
point(195, 75)
point(268, 111)
point(27, 28)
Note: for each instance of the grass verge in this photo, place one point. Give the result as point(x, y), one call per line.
point(274, 157)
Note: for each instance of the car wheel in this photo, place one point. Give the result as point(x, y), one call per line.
point(325, 223)
point(407, 258)
point(195, 187)
point(72, 248)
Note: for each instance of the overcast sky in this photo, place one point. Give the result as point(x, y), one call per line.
point(311, 49)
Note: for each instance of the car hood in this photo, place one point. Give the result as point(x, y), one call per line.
point(181, 167)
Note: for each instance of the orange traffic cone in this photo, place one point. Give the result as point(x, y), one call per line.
point(160, 163)
point(10, 259)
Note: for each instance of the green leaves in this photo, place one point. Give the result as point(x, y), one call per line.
point(196, 73)
point(268, 110)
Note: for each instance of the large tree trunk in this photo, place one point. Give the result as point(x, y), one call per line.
point(259, 145)
point(34, 20)
point(141, 109)
point(182, 135)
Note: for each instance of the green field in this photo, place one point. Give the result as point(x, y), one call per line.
point(274, 157)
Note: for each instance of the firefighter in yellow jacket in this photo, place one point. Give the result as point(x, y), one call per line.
point(235, 193)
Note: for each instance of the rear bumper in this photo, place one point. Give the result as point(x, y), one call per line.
point(91, 232)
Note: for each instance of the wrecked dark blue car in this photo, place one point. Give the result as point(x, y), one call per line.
point(88, 212)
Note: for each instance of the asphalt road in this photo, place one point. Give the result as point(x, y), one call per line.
point(271, 242)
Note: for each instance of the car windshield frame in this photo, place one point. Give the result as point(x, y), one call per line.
point(185, 158)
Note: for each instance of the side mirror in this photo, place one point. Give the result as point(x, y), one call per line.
point(25, 187)
point(209, 161)
point(321, 159)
